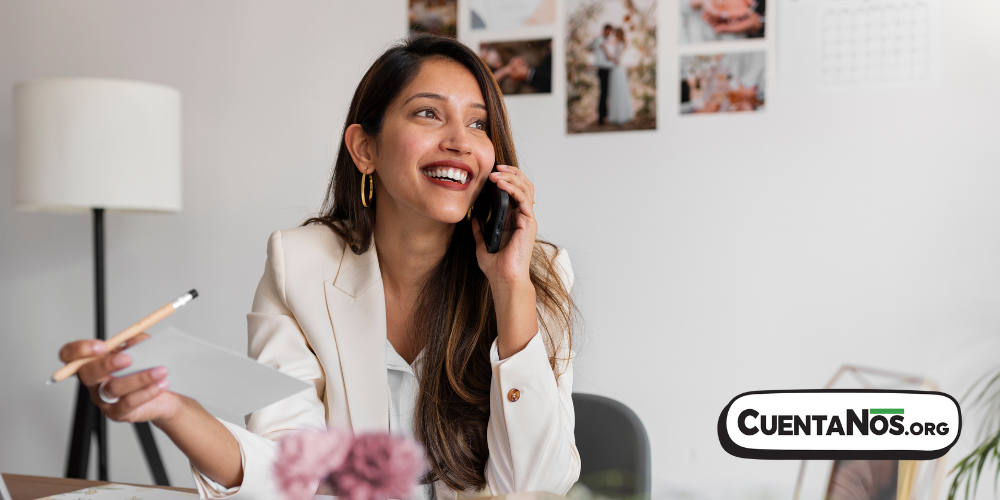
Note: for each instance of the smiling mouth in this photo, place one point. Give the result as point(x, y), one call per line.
point(447, 174)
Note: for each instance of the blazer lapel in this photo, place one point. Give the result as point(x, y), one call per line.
point(356, 302)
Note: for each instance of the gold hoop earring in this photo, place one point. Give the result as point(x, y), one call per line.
point(468, 216)
point(371, 189)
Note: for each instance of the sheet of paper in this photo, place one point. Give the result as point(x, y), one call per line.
point(221, 380)
point(114, 491)
point(859, 44)
point(4, 494)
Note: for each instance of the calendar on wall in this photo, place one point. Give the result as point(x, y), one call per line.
point(875, 42)
point(849, 44)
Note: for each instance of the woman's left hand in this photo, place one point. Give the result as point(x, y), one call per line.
point(507, 270)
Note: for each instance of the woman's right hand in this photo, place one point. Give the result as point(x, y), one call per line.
point(142, 396)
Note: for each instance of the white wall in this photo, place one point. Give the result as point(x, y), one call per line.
point(860, 227)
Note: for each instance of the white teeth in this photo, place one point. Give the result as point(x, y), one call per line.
point(456, 174)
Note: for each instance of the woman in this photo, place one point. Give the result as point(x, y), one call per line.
point(619, 95)
point(389, 304)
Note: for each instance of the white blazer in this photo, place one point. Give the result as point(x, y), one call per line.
point(319, 315)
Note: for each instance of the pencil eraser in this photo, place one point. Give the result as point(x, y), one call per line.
point(194, 293)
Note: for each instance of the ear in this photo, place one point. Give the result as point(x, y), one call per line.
point(361, 147)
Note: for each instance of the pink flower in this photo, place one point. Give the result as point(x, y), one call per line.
point(379, 466)
point(307, 457)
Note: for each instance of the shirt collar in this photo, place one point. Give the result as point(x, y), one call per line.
point(394, 361)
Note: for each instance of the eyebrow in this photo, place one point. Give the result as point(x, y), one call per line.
point(439, 97)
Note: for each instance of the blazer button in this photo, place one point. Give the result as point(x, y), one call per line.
point(513, 395)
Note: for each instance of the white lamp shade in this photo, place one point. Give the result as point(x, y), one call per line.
point(82, 143)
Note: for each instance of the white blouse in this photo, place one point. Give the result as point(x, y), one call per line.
point(403, 387)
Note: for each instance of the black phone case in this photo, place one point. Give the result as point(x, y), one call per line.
point(491, 210)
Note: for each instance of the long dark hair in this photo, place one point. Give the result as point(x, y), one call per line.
point(454, 317)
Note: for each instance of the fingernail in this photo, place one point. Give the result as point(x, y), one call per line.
point(99, 348)
point(121, 360)
point(159, 372)
point(162, 384)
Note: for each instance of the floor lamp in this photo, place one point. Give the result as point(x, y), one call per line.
point(89, 145)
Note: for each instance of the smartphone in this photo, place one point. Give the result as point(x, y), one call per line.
point(491, 209)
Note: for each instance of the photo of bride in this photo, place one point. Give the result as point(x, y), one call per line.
point(611, 65)
point(619, 95)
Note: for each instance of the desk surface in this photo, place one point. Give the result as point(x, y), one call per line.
point(32, 487)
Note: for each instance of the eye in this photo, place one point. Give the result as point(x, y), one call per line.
point(479, 124)
point(427, 113)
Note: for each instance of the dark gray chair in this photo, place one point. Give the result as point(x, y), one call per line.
point(614, 448)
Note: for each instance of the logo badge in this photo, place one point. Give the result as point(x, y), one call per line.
point(840, 424)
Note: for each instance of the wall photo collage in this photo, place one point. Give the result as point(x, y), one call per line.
point(610, 49)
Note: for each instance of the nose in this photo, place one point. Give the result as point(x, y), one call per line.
point(456, 139)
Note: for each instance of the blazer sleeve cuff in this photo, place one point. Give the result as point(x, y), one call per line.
point(256, 456)
point(211, 489)
point(532, 352)
point(530, 432)
point(523, 383)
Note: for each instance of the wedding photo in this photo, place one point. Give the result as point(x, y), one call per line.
point(610, 65)
point(520, 67)
point(713, 20)
point(723, 83)
point(437, 17)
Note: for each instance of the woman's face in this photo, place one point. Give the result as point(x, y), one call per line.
point(434, 155)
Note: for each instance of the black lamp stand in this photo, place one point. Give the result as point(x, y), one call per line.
point(89, 421)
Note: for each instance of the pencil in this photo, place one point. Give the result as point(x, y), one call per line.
point(74, 366)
